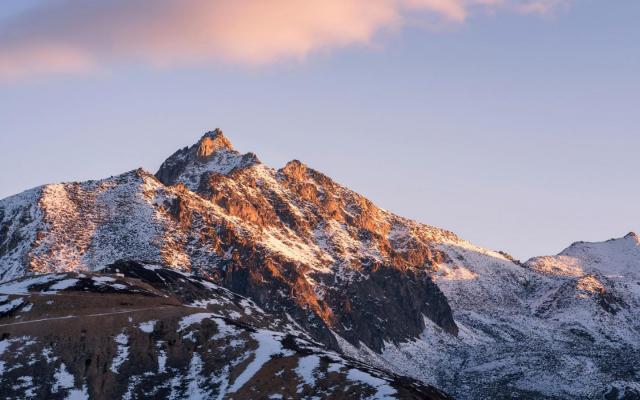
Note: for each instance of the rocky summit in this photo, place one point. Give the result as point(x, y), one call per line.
point(221, 277)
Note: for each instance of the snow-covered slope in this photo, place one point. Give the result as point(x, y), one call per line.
point(566, 326)
point(613, 258)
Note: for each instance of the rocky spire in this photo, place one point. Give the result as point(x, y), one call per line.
point(295, 170)
point(213, 153)
point(211, 142)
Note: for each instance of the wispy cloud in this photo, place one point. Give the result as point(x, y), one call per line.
point(67, 36)
point(541, 7)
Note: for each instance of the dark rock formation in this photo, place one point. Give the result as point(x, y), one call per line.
point(142, 331)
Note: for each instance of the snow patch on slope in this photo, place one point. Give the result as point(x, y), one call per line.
point(122, 352)
point(268, 346)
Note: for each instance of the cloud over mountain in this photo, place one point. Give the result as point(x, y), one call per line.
point(63, 36)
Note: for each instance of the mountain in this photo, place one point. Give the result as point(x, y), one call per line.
point(292, 239)
point(397, 295)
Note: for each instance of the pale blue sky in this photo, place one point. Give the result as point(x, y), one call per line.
point(517, 132)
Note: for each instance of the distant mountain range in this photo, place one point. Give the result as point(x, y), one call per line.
point(225, 278)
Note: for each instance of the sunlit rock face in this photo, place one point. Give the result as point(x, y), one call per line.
point(392, 292)
point(212, 154)
point(212, 142)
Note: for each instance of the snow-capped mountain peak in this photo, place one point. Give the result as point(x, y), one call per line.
point(292, 237)
point(633, 236)
point(212, 154)
point(616, 258)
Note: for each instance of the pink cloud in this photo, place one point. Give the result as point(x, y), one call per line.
point(48, 59)
point(67, 36)
point(542, 7)
point(454, 10)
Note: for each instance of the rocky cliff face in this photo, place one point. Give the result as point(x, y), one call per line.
point(391, 292)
